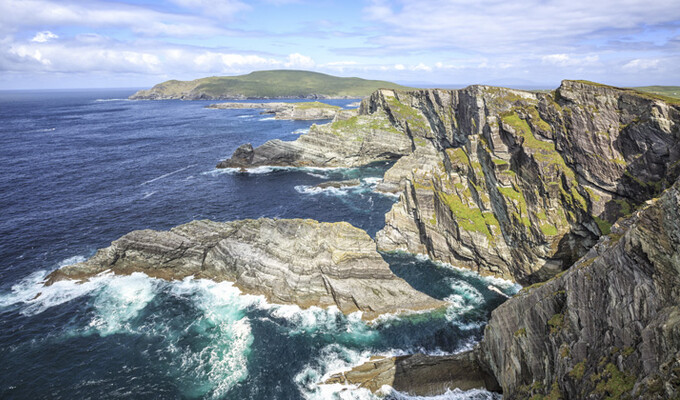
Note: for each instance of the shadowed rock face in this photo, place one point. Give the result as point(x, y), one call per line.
point(609, 327)
point(419, 374)
point(301, 262)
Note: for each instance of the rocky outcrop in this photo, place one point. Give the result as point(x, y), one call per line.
point(296, 261)
point(338, 184)
point(609, 327)
point(350, 140)
point(291, 111)
point(419, 374)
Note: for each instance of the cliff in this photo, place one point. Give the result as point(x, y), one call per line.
point(510, 183)
point(276, 84)
point(530, 186)
point(607, 328)
point(301, 262)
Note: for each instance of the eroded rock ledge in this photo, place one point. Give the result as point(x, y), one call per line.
point(290, 261)
point(293, 111)
point(419, 374)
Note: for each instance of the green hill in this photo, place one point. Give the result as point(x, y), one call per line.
point(662, 91)
point(266, 84)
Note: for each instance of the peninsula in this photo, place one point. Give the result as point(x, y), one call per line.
point(313, 110)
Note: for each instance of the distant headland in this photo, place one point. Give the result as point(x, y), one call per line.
point(276, 84)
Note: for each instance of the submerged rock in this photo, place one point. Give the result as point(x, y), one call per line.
point(293, 111)
point(419, 374)
point(338, 184)
point(289, 261)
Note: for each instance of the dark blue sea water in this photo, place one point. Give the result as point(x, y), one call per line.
point(78, 169)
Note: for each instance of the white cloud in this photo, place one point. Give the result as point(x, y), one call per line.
point(641, 64)
point(15, 14)
point(100, 54)
point(566, 60)
point(297, 60)
point(504, 27)
point(44, 36)
point(399, 67)
point(421, 67)
point(218, 8)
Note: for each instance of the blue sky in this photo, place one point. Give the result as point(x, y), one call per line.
point(137, 43)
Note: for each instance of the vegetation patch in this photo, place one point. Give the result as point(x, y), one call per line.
point(605, 226)
point(549, 229)
point(458, 156)
point(578, 371)
point(362, 123)
point(314, 104)
point(415, 119)
point(614, 383)
point(468, 218)
point(556, 323)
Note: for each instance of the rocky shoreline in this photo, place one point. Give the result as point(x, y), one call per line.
point(530, 186)
point(303, 111)
point(573, 193)
point(289, 261)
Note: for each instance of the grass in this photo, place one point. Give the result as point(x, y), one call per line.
point(669, 94)
point(548, 229)
point(362, 123)
point(314, 104)
point(605, 226)
point(275, 84)
point(615, 384)
point(578, 371)
point(469, 218)
point(556, 323)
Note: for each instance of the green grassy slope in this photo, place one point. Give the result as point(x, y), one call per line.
point(272, 84)
point(666, 91)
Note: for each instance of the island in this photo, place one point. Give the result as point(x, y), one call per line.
point(275, 84)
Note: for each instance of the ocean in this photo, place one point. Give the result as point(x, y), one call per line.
point(80, 168)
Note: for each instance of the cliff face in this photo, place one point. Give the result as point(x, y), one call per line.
point(609, 327)
point(505, 182)
point(301, 262)
point(534, 179)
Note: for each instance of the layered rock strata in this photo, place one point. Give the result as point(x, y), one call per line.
point(419, 374)
point(290, 111)
point(350, 140)
point(607, 328)
point(296, 261)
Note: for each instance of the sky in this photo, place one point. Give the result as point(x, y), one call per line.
point(47, 44)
